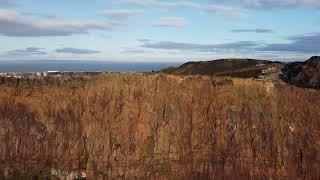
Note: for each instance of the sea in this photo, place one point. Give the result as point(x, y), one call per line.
point(79, 66)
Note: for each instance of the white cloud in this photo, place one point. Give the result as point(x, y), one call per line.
point(70, 50)
point(230, 8)
point(257, 30)
point(171, 45)
point(307, 44)
point(26, 52)
point(219, 9)
point(121, 13)
point(171, 22)
point(14, 24)
point(280, 3)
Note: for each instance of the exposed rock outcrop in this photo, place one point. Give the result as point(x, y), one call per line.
point(304, 74)
point(159, 126)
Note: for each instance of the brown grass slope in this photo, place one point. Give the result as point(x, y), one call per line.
point(243, 68)
point(158, 126)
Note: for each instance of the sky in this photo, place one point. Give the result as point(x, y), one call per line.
point(159, 30)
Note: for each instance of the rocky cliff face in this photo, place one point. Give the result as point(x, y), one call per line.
point(305, 74)
point(158, 126)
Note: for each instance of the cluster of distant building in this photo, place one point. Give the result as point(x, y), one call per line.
point(270, 73)
point(34, 75)
point(46, 74)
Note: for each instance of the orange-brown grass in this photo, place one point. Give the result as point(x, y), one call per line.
point(159, 126)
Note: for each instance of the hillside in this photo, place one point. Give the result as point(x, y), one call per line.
point(244, 68)
point(158, 126)
point(304, 74)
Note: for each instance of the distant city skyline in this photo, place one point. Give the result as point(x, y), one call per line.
point(159, 30)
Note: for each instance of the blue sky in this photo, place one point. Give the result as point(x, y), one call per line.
point(159, 30)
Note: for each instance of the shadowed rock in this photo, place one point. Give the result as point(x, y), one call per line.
point(303, 74)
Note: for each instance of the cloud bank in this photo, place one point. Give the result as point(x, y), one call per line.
point(76, 51)
point(230, 8)
point(169, 45)
point(308, 43)
point(15, 24)
point(219, 9)
point(269, 4)
point(26, 52)
point(258, 30)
